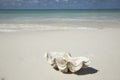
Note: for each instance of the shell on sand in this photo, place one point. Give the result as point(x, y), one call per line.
point(76, 63)
point(64, 62)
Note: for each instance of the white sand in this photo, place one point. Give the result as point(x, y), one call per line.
point(21, 54)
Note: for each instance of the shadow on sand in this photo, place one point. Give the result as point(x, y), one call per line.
point(83, 71)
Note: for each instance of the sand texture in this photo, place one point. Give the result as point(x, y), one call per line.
point(21, 54)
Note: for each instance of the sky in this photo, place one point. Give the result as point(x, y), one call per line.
point(59, 4)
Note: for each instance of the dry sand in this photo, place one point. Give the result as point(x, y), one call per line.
point(21, 54)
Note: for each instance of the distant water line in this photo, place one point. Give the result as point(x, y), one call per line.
point(34, 20)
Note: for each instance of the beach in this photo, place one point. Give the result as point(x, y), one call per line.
point(22, 54)
point(25, 36)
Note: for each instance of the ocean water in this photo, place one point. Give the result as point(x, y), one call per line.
point(32, 20)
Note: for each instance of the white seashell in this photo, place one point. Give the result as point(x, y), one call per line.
point(61, 63)
point(53, 57)
point(64, 62)
point(76, 63)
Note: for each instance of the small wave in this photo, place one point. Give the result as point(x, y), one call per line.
point(38, 27)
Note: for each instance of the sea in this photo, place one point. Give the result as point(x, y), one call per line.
point(14, 20)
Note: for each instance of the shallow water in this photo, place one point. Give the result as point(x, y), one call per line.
point(32, 20)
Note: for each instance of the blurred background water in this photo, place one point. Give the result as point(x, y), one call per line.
point(58, 19)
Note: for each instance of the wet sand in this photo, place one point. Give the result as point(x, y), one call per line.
point(21, 54)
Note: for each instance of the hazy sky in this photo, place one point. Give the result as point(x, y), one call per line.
point(59, 4)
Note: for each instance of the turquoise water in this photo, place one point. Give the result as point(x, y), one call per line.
point(59, 18)
point(37, 16)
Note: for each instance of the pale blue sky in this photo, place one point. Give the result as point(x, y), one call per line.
point(59, 4)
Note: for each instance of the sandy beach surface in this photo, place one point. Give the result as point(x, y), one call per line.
point(21, 54)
